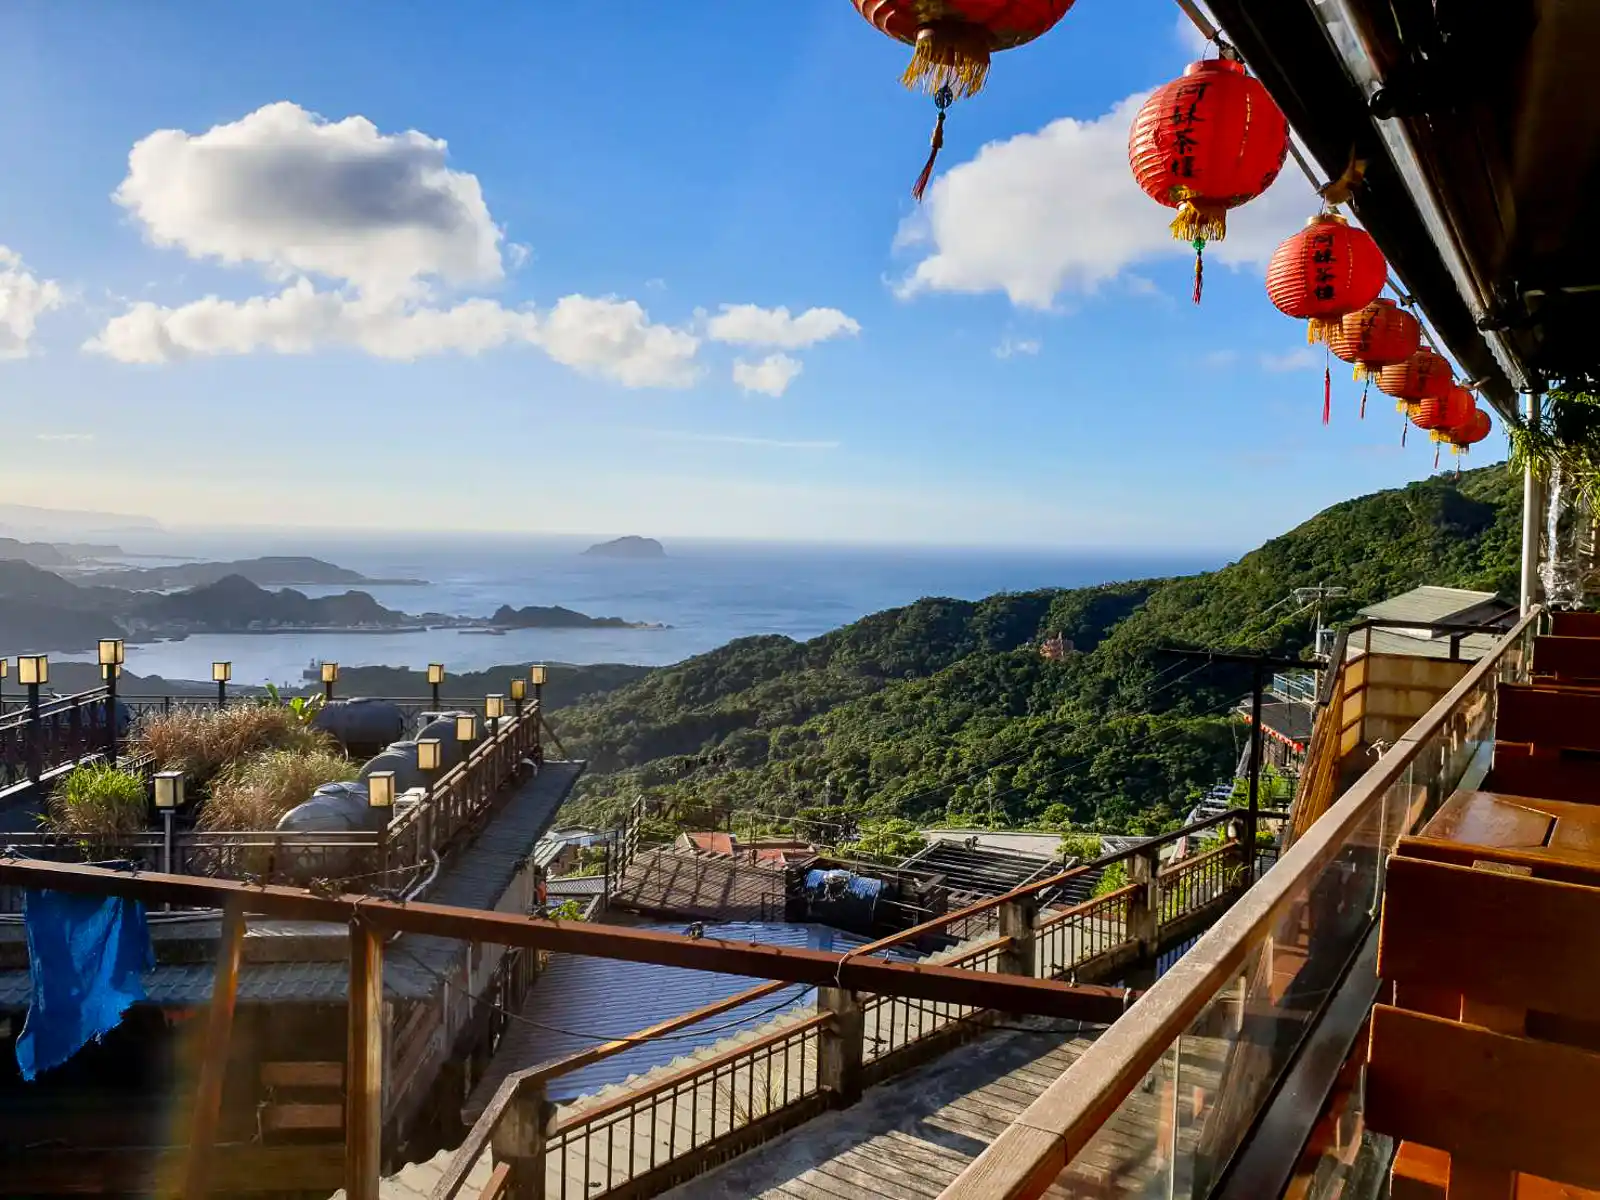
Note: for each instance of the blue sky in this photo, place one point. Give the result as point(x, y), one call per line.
point(574, 267)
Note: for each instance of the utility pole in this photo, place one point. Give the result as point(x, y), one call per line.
point(1260, 665)
point(1316, 595)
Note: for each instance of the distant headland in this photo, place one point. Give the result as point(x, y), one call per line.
point(628, 547)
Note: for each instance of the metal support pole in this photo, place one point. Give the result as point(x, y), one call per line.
point(222, 693)
point(166, 840)
point(327, 690)
point(1532, 511)
point(35, 735)
point(111, 715)
point(1257, 685)
point(435, 697)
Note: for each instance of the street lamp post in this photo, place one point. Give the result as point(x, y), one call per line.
point(330, 676)
point(169, 795)
point(222, 672)
point(33, 672)
point(380, 796)
point(435, 678)
point(536, 675)
point(466, 733)
point(5, 665)
point(494, 709)
point(112, 653)
point(519, 691)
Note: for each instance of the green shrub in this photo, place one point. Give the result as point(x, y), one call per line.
point(252, 793)
point(97, 802)
point(886, 841)
point(1113, 877)
point(1084, 846)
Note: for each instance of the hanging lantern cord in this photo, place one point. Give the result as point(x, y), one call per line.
point(942, 99)
point(1199, 245)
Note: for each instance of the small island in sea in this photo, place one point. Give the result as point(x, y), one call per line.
point(628, 547)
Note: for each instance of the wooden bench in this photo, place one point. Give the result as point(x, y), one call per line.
point(1547, 742)
point(1567, 659)
point(296, 1097)
point(1575, 624)
point(1515, 954)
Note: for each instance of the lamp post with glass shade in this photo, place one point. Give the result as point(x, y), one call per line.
point(222, 672)
point(435, 678)
point(5, 665)
point(169, 796)
point(112, 653)
point(466, 733)
point(519, 692)
point(380, 797)
point(33, 672)
point(494, 709)
point(536, 676)
point(430, 757)
point(330, 676)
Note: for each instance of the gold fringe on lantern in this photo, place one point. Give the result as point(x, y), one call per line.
point(949, 54)
point(1321, 329)
point(1363, 372)
point(1197, 222)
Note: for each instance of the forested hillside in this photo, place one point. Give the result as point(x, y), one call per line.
point(946, 708)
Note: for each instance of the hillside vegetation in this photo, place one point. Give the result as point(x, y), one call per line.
point(946, 708)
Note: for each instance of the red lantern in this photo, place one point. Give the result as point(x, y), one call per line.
point(1325, 271)
point(1469, 433)
point(1423, 376)
point(1209, 141)
point(1380, 335)
point(952, 42)
point(1441, 413)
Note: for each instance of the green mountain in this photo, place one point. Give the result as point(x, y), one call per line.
point(947, 708)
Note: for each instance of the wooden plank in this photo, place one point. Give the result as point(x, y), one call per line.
point(364, 1065)
point(1551, 717)
point(1510, 1103)
point(214, 1062)
point(1540, 864)
point(277, 1118)
point(1496, 938)
point(302, 1074)
point(139, 1171)
point(499, 1185)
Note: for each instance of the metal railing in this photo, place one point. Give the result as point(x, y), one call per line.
point(1222, 1025)
point(643, 1141)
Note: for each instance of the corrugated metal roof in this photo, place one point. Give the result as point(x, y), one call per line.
point(611, 999)
point(1428, 603)
point(1386, 641)
point(684, 883)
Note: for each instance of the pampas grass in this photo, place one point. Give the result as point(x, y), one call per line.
point(253, 792)
point(202, 742)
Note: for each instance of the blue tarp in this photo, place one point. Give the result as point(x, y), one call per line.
point(85, 955)
point(837, 885)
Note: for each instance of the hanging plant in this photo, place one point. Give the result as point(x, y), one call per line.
point(1567, 436)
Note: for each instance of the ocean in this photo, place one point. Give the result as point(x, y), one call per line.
point(705, 593)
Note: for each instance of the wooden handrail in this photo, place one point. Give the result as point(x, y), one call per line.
point(1074, 1108)
point(1078, 910)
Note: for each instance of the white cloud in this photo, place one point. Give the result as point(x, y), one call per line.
point(772, 375)
point(1189, 37)
point(1220, 358)
point(1299, 359)
point(296, 194)
point(752, 325)
point(1057, 211)
point(24, 297)
point(1010, 347)
point(64, 437)
point(609, 338)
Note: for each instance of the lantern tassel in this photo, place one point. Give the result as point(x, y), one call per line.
point(1327, 395)
point(1320, 329)
point(1403, 430)
point(949, 55)
point(1199, 267)
point(1364, 388)
point(1194, 222)
point(921, 185)
point(1436, 450)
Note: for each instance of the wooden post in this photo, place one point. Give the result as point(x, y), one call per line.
point(363, 1122)
point(518, 1139)
point(840, 1044)
point(1017, 920)
point(1144, 906)
point(214, 1061)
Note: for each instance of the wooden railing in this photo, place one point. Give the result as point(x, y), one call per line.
point(671, 1128)
point(464, 794)
point(1266, 964)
